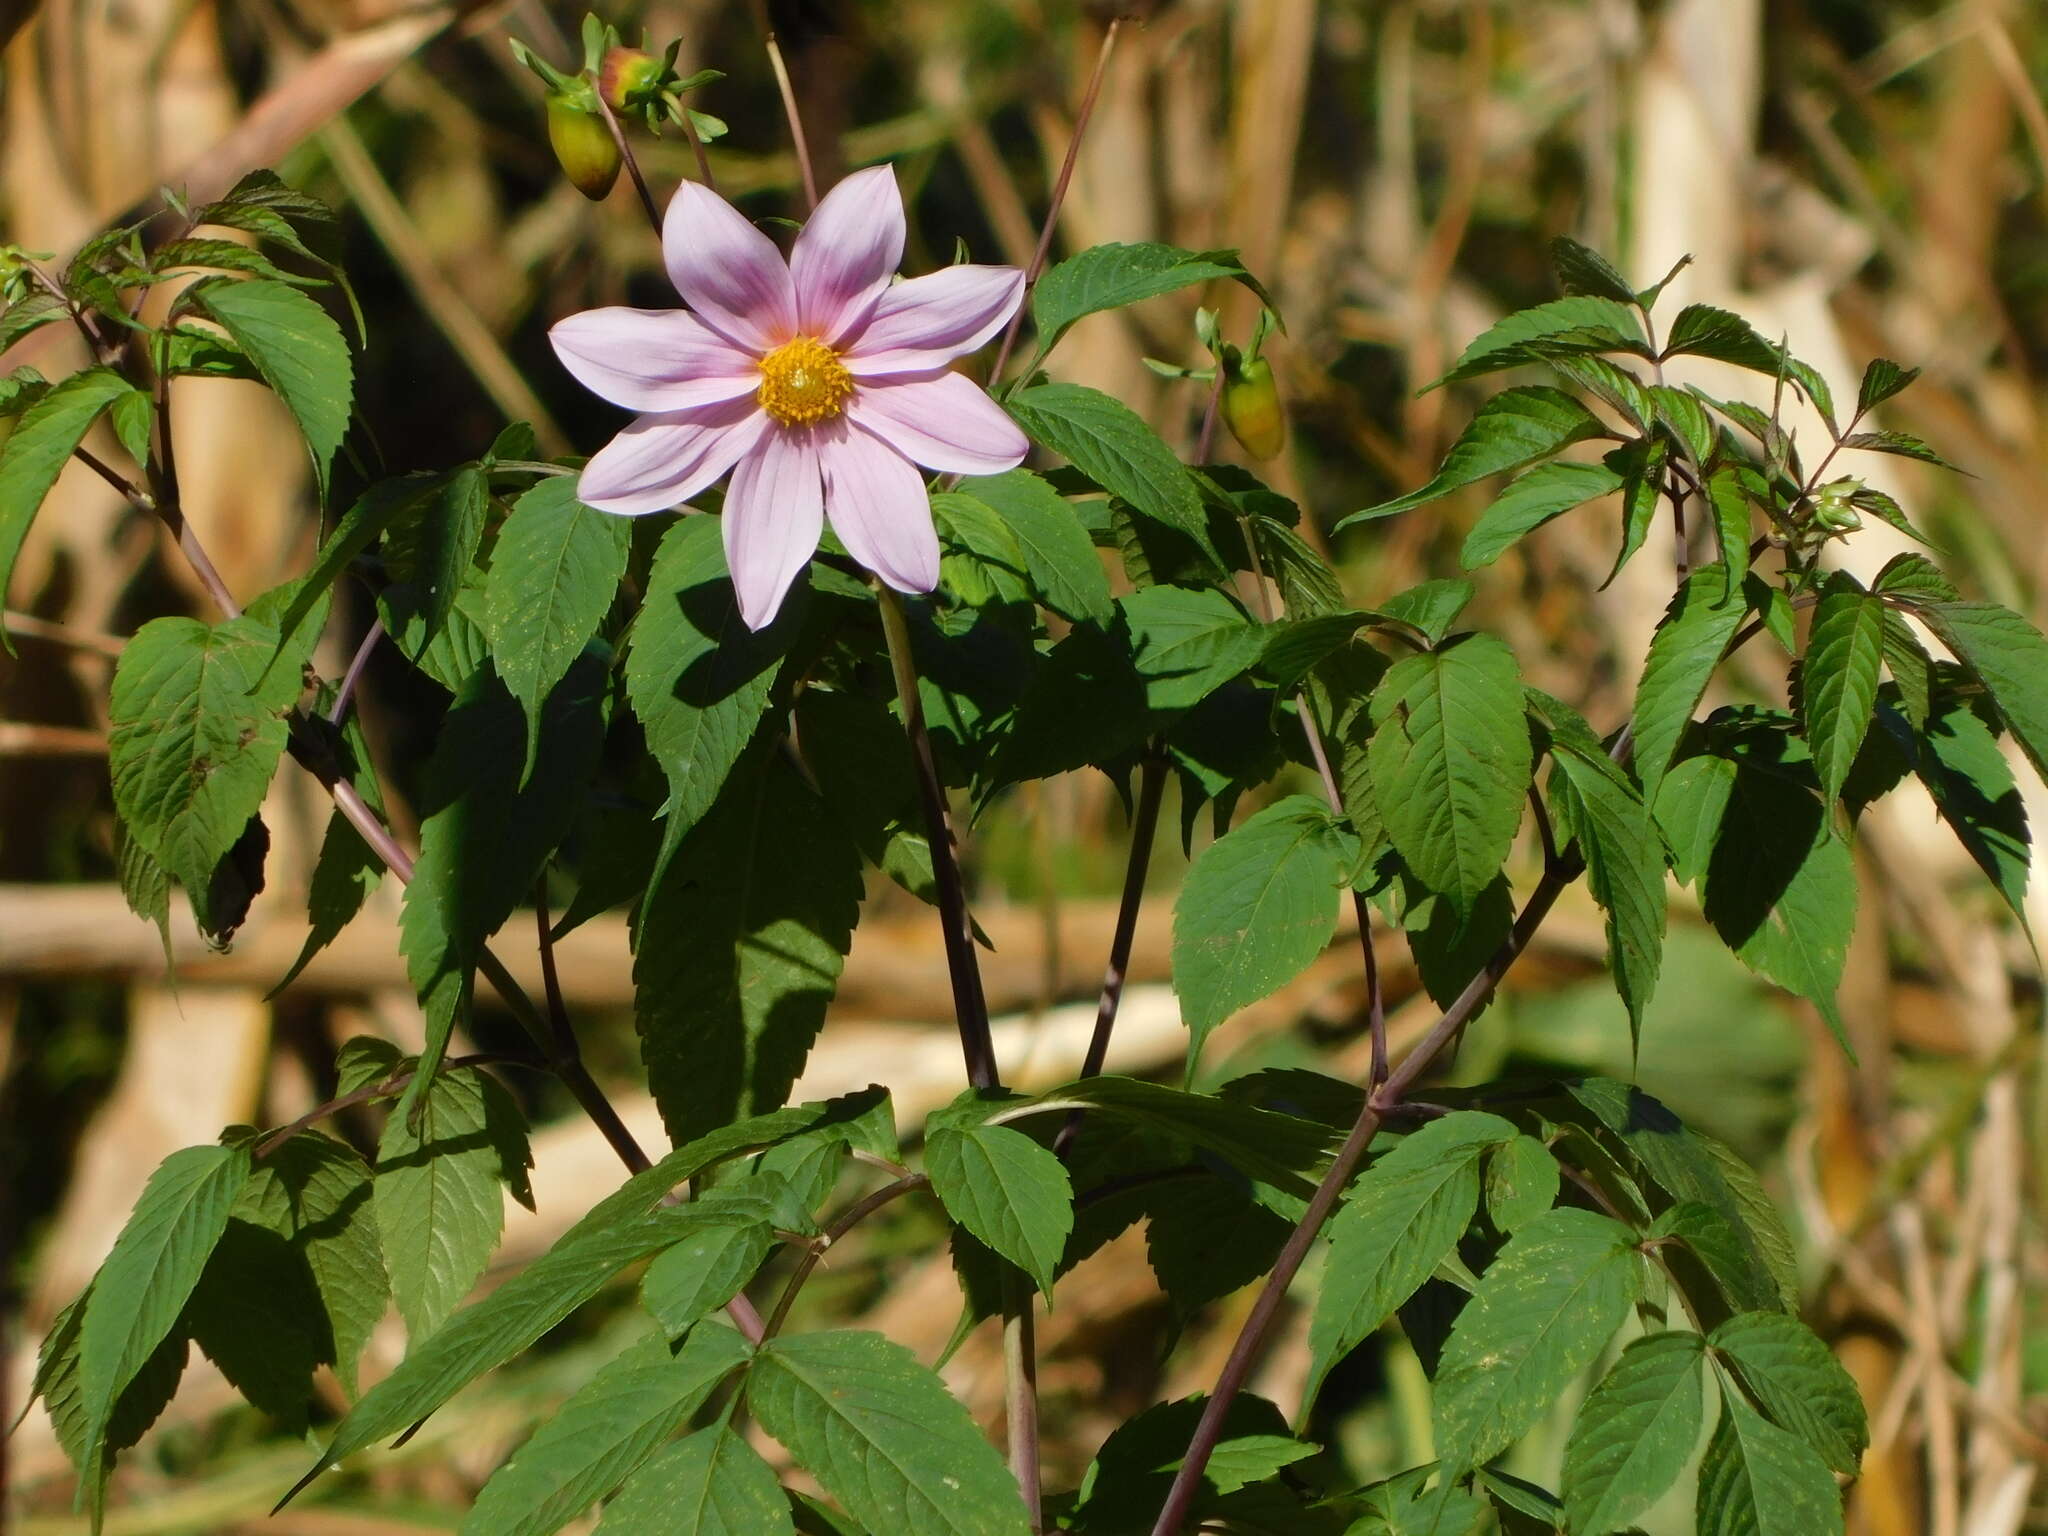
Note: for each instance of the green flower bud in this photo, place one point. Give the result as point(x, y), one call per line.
point(1251, 406)
point(631, 78)
point(1833, 507)
point(584, 147)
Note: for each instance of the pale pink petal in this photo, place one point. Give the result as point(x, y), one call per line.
point(652, 359)
point(730, 273)
point(876, 500)
point(774, 511)
point(665, 458)
point(942, 421)
point(847, 253)
point(928, 321)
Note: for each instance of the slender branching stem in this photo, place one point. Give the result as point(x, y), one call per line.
point(95, 343)
point(836, 1229)
point(136, 496)
point(352, 678)
point(632, 161)
point(697, 148)
point(1059, 189)
point(1020, 1387)
point(970, 1006)
point(797, 141)
point(383, 1088)
point(1144, 826)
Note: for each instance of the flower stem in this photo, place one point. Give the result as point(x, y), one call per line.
point(338, 710)
point(1144, 825)
point(970, 1006)
point(1059, 188)
point(632, 161)
point(796, 122)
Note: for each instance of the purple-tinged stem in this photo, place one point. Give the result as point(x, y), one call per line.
point(338, 710)
point(632, 161)
point(1059, 189)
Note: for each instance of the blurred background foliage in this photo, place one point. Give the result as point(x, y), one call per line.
point(1862, 176)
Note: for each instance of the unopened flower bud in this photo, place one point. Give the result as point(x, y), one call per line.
point(1834, 508)
point(1251, 406)
point(630, 78)
point(584, 147)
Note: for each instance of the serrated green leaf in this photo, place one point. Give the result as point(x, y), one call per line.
point(701, 1273)
point(1709, 1235)
point(1401, 1219)
point(1704, 331)
point(1684, 652)
point(1429, 607)
point(1641, 466)
point(194, 743)
point(1007, 1190)
point(1882, 378)
point(485, 836)
point(1262, 1144)
point(257, 1316)
point(360, 527)
point(1511, 431)
point(299, 351)
point(698, 679)
point(1560, 328)
point(2009, 657)
point(1111, 444)
point(589, 1445)
point(1521, 1183)
point(138, 1406)
point(1581, 269)
point(1625, 869)
point(1059, 557)
point(1186, 643)
point(1128, 1479)
point(1757, 1480)
point(1781, 889)
point(1635, 1433)
point(1730, 507)
point(1450, 761)
point(1838, 678)
point(1208, 1236)
point(1258, 905)
point(437, 1200)
point(1799, 1382)
point(1544, 1309)
point(316, 1194)
point(155, 1263)
point(711, 1483)
point(1106, 277)
point(1902, 444)
point(37, 450)
point(1973, 789)
point(739, 950)
point(1756, 1217)
point(554, 572)
point(1529, 503)
point(883, 1436)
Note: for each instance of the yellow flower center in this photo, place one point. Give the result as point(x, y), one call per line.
point(803, 382)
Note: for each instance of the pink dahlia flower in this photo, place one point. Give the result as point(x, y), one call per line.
point(819, 383)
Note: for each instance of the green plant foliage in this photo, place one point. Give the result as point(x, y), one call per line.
point(1007, 1190)
point(1636, 1432)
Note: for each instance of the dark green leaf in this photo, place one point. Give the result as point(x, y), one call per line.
point(257, 1315)
point(1111, 444)
point(1973, 789)
point(1687, 646)
point(1635, 1433)
point(1521, 1183)
point(711, 1483)
point(554, 572)
point(701, 1273)
point(1007, 1190)
point(698, 679)
point(1757, 1480)
point(1532, 501)
point(1904, 444)
point(143, 1285)
point(1512, 430)
point(437, 1200)
point(1625, 867)
point(883, 1435)
point(1561, 328)
point(37, 450)
point(1641, 466)
point(1430, 607)
point(1544, 1309)
point(1882, 378)
point(1111, 276)
point(1186, 643)
point(298, 349)
point(1259, 904)
point(739, 949)
point(1401, 1219)
point(1838, 678)
point(1581, 269)
point(1450, 761)
point(1799, 1382)
point(2009, 657)
point(1731, 528)
point(1066, 573)
point(1260, 1143)
point(589, 1445)
point(316, 1194)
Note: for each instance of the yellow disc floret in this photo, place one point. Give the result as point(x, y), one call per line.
point(803, 383)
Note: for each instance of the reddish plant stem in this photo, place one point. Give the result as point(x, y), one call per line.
point(632, 161)
point(1144, 826)
point(1059, 189)
point(338, 711)
point(840, 1225)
